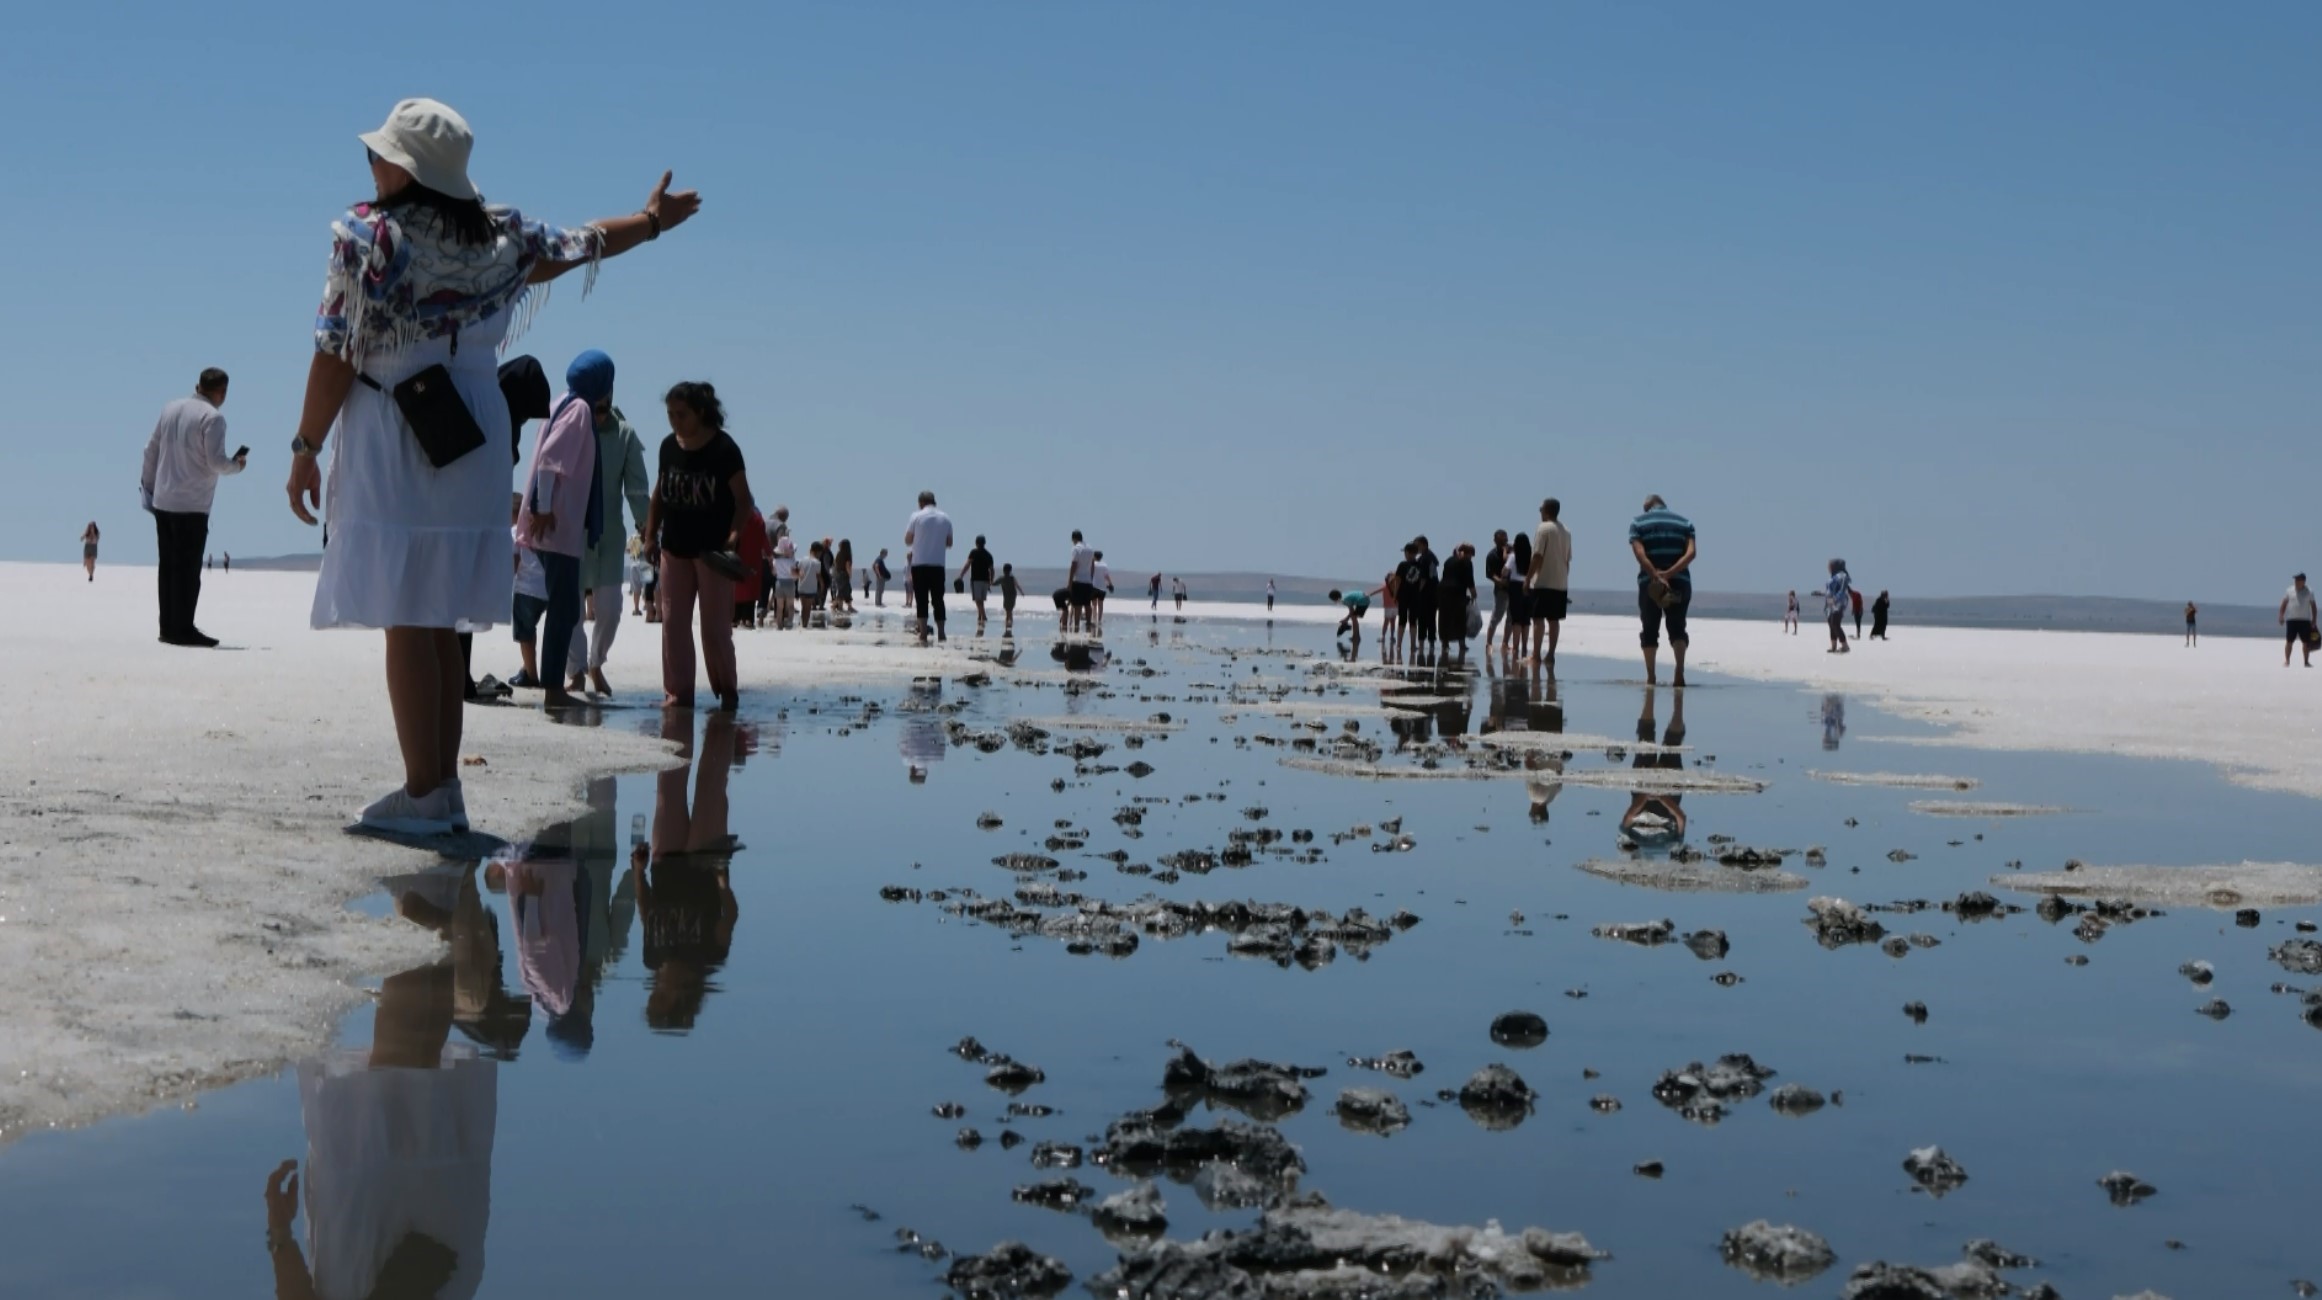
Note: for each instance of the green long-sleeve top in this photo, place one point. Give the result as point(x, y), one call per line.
point(623, 458)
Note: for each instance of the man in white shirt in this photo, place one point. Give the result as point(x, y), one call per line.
point(926, 540)
point(1080, 584)
point(2298, 619)
point(1549, 587)
point(1101, 581)
point(183, 462)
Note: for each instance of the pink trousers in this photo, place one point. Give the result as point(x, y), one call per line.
point(684, 583)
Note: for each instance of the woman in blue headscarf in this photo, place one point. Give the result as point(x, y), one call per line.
point(563, 510)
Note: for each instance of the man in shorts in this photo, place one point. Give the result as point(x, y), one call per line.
point(978, 572)
point(2298, 619)
point(927, 540)
point(1663, 542)
point(1549, 585)
point(1080, 584)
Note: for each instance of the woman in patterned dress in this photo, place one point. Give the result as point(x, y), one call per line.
point(426, 275)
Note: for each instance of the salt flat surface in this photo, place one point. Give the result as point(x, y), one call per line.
point(173, 862)
point(173, 866)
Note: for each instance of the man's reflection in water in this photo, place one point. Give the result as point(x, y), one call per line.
point(685, 891)
point(1655, 820)
point(1454, 689)
point(1529, 706)
point(1833, 720)
point(398, 1183)
point(921, 738)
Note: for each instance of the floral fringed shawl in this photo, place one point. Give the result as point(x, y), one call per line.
point(397, 277)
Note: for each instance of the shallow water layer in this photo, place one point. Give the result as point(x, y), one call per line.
point(686, 1046)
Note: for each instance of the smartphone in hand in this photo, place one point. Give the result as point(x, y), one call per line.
point(242, 452)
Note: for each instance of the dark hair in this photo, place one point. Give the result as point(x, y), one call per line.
point(1551, 508)
point(466, 219)
point(1076, 534)
point(1100, 555)
point(701, 399)
point(1334, 593)
point(212, 380)
point(979, 539)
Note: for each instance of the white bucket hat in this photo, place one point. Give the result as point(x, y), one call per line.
point(429, 140)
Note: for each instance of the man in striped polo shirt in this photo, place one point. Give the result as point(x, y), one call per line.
point(1662, 540)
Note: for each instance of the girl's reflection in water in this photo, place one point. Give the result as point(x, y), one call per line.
point(685, 892)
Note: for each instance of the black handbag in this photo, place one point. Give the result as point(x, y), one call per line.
point(439, 419)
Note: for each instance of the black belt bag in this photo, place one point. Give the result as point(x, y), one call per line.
point(431, 405)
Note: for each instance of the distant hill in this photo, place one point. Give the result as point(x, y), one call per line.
point(2019, 613)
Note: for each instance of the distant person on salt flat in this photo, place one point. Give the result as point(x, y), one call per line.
point(1550, 581)
point(2298, 619)
point(1010, 588)
point(1079, 585)
point(977, 571)
point(1790, 615)
point(882, 575)
point(1269, 595)
point(228, 557)
point(2192, 638)
point(184, 459)
point(842, 575)
point(1104, 590)
point(1177, 588)
point(1456, 597)
point(1879, 609)
point(620, 478)
point(416, 547)
point(89, 549)
point(1496, 573)
point(1153, 589)
point(562, 516)
point(927, 541)
point(1516, 642)
point(693, 531)
point(1356, 604)
point(1665, 546)
point(1854, 597)
point(1834, 605)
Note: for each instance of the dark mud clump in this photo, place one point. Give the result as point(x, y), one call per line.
point(1796, 1099)
point(1649, 934)
point(1260, 1089)
point(2125, 1188)
point(1519, 1029)
point(1137, 1212)
point(1312, 1251)
point(1154, 1141)
point(1880, 1280)
point(1934, 1170)
point(1056, 1194)
point(1837, 923)
point(1497, 1097)
point(1009, 1271)
point(1371, 1110)
point(2297, 956)
point(1708, 945)
point(1400, 1063)
point(1771, 1253)
point(1697, 1092)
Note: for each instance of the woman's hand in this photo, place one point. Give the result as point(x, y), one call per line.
point(305, 481)
point(542, 525)
point(672, 210)
point(282, 1197)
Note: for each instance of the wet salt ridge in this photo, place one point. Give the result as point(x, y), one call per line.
point(1219, 966)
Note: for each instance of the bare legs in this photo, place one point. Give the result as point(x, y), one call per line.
point(426, 688)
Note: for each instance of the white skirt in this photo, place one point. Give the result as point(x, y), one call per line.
point(407, 544)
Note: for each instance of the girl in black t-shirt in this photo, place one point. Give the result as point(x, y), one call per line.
point(701, 502)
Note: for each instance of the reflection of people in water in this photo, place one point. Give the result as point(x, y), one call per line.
point(1455, 688)
point(1833, 720)
point(548, 909)
point(398, 1183)
point(685, 892)
point(921, 739)
point(1655, 819)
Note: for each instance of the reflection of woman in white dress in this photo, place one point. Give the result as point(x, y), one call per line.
point(398, 1185)
point(428, 275)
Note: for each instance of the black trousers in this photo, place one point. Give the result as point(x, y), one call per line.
point(926, 589)
point(182, 536)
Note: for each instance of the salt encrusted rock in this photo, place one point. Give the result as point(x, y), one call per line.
point(1773, 1253)
point(1646, 933)
point(1497, 1097)
point(1837, 923)
point(1137, 1212)
point(1934, 1170)
point(1008, 1271)
point(1372, 1110)
point(1519, 1029)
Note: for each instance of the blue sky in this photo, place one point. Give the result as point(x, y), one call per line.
point(1989, 298)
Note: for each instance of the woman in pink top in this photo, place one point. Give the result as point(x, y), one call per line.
point(563, 507)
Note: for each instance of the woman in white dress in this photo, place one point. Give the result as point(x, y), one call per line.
point(427, 275)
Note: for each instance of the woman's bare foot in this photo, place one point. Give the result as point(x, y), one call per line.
point(579, 682)
point(672, 702)
point(598, 683)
